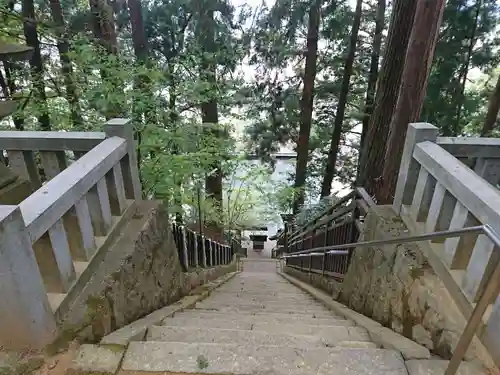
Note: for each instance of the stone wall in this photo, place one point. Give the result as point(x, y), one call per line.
point(327, 284)
point(396, 287)
point(140, 273)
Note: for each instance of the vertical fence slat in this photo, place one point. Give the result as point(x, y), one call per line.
point(86, 230)
point(482, 262)
point(114, 181)
point(62, 255)
point(203, 252)
point(458, 250)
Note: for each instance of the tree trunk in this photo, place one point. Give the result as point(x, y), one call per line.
point(372, 157)
point(10, 70)
point(209, 109)
point(306, 105)
point(66, 67)
point(419, 55)
point(463, 75)
point(339, 116)
point(145, 104)
point(36, 64)
point(493, 108)
point(103, 27)
point(139, 38)
point(373, 75)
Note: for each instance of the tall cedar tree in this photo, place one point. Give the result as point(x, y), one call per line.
point(428, 17)
point(373, 74)
point(103, 27)
point(36, 64)
point(66, 66)
point(306, 106)
point(492, 114)
point(372, 157)
point(465, 70)
point(209, 109)
point(339, 116)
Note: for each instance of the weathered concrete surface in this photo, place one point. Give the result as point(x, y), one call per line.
point(395, 286)
point(257, 318)
point(96, 359)
point(326, 284)
point(249, 340)
point(382, 336)
point(15, 363)
point(136, 331)
point(243, 360)
point(437, 367)
point(140, 273)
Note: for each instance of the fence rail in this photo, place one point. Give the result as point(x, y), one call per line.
point(339, 224)
point(196, 250)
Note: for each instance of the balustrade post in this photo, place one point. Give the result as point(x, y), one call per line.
point(203, 252)
point(409, 168)
point(194, 240)
point(285, 241)
point(124, 128)
point(185, 260)
point(26, 319)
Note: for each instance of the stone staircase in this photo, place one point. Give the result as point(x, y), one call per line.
point(259, 323)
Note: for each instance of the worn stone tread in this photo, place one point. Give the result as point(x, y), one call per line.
point(438, 367)
point(263, 308)
point(235, 336)
point(257, 337)
point(177, 357)
point(266, 321)
point(261, 316)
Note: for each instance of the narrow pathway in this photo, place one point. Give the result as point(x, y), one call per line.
point(258, 323)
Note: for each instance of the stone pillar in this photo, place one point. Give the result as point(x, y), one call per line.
point(26, 318)
point(409, 169)
point(119, 127)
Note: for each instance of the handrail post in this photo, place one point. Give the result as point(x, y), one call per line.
point(409, 168)
point(124, 128)
point(26, 319)
point(285, 241)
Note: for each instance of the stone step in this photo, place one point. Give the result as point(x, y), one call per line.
point(310, 337)
point(259, 293)
point(263, 308)
point(241, 297)
point(294, 305)
point(263, 317)
point(305, 305)
point(233, 336)
point(175, 357)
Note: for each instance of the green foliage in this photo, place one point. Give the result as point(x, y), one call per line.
point(258, 56)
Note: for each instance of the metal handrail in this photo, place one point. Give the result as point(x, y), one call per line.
point(485, 229)
point(491, 287)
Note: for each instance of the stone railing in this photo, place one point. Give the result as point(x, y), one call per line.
point(196, 250)
point(49, 237)
point(437, 192)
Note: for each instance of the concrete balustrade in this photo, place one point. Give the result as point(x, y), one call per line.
point(437, 192)
point(88, 179)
